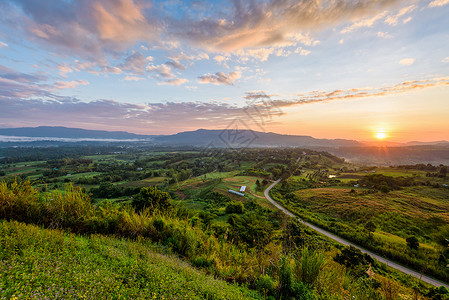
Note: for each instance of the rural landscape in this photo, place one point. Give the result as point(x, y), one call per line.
point(167, 221)
point(193, 149)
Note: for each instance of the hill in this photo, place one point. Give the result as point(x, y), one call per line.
point(57, 265)
point(231, 138)
point(72, 133)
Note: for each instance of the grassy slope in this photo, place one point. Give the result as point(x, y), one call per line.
point(36, 263)
point(417, 207)
point(414, 211)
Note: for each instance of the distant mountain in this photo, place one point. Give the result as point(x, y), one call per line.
point(248, 138)
point(437, 143)
point(227, 138)
point(72, 133)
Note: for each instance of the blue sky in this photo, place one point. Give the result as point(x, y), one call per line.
point(333, 69)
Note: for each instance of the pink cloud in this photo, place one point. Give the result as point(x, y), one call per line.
point(70, 84)
point(220, 78)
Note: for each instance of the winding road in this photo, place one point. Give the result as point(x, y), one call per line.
point(346, 243)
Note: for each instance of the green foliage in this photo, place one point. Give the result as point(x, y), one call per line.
point(250, 229)
point(293, 236)
point(235, 207)
point(355, 260)
point(153, 198)
point(49, 264)
point(385, 183)
point(412, 243)
point(246, 250)
point(311, 265)
point(370, 227)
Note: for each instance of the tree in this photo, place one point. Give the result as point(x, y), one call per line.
point(412, 243)
point(370, 227)
point(151, 197)
point(258, 185)
point(355, 260)
point(235, 208)
point(443, 171)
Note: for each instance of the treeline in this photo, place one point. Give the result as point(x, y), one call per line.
point(385, 183)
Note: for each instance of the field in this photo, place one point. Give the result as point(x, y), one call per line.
point(415, 211)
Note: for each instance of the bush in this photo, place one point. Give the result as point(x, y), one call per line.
point(311, 264)
point(235, 208)
point(412, 243)
point(153, 198)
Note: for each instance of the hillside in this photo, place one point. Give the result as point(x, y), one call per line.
point(248, 138)
point(41, 263)
point(201, 137)
point(72, 133)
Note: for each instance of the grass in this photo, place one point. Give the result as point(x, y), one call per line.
point(50, 264)
point(418, 211)
point(144, 182)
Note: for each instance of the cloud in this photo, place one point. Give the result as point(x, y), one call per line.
point(112, 70)
point(177, 81)
point(70, 84)
point(437, 3)
point(64, 69)
point(161, 70)
point(220, 78)
point(202, 56)
point(407, 61)
point(302, 51)
point(369, 22)
point(445, 60)
point(359, 93)
point(252, 24)
point(112, 115)
point(133, 78)
point(3, 45)
point(134, 63)
point(282, 52)
point(20, 85)
point(101, 30)
point(384, 35)
point(7, 73)
point(220, 58)
point(175, 64)
point(261, 54)
point(393, 20)
point(88, 28)
point(32, 106)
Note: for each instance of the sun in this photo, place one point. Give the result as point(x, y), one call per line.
point(380, 135)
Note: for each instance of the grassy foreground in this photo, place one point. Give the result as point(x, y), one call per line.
point(40, 263)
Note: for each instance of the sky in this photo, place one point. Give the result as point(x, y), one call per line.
point(352, 69)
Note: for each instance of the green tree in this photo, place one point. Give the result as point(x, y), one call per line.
point(235, 208)
point(412, 243)
point(370, 227)
point(151, 197)
point(443, 171)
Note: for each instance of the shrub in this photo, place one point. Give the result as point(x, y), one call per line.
point(311, 264)
point(151, 197)
point(235, 208)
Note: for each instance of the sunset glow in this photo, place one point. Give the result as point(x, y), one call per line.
point(328, 69)
point(381, 135)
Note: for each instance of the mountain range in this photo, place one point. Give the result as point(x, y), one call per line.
point(229, 138)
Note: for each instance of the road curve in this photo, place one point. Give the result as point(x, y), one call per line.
point(346, 243)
